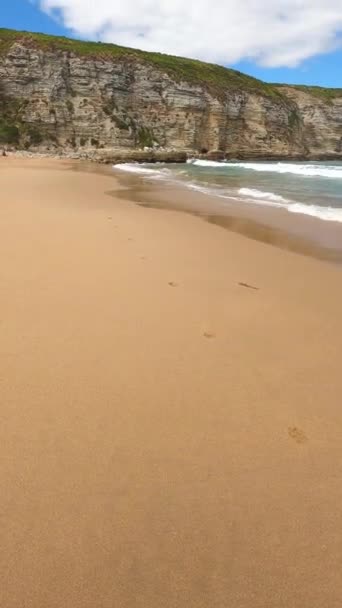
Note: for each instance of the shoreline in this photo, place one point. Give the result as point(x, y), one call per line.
point(170, 405)
point(293, 232)
point(111, 156)
point(298, 233)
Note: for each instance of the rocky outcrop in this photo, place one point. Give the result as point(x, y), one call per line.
point(320, 115)
point(56, 98)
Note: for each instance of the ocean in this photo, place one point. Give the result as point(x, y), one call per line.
point(307, 188)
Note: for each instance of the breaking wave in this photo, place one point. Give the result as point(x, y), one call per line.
point(303, 170)
point(247, 195)
point(331, 214)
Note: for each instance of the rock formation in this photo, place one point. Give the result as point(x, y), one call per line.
point(60, 94)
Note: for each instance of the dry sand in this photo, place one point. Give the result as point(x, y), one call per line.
point(169, 437)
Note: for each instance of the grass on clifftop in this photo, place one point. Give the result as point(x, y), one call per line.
point(321, 92)
point(215, 77)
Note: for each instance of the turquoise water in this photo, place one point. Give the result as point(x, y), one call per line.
point(307, 188)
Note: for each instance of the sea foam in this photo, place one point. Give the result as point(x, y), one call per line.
point(247, 195)
point(331, 214)
point(303, 170)
point(140, 169)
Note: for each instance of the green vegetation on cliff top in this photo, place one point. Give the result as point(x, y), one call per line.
point(215, 77)
point(321, 92)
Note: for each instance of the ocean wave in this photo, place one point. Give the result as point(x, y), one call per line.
point(259, 194)
point(243, 195)
point(142, 170)
point(330, 214)
point(207, 163)
point(212, 191)
point(302, 170)
point(331, 172)
point(269, 199)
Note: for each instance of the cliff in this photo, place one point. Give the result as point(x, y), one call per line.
point(61, 94)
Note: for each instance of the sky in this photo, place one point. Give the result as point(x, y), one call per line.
point(294, 41)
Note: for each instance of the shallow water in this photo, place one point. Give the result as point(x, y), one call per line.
point(296, 206)
point(313, 189)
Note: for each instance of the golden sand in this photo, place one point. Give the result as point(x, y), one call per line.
point(169, 437)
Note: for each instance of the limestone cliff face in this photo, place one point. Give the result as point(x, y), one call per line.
point(321, 121)
point(55, 98)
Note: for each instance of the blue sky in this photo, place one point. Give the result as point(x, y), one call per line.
point(320, 69)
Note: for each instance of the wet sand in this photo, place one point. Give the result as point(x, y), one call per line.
point(294, 232)
point(170, 402)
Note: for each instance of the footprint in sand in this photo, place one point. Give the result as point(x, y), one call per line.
point(109, 218)
point(297, 434)
point(173, 284)
point(248, 286)
point(208, 334)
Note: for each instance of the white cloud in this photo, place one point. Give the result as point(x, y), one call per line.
point(269, 32)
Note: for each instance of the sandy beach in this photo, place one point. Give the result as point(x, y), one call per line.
point(170, 405)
